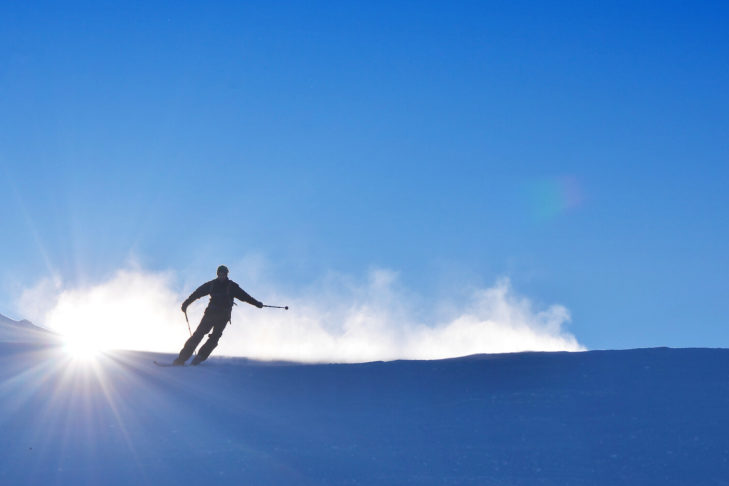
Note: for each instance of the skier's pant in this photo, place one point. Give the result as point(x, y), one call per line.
point(217, 323)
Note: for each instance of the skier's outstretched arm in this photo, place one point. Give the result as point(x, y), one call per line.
point(201, 291)
point(241, 294)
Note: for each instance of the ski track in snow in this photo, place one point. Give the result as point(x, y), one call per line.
point(651, 416)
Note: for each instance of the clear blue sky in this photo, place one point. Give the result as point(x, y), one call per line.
point(580, 149)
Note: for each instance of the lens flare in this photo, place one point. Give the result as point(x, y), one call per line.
point(83, 346)
point(552, 197)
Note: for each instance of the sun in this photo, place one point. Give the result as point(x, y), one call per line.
point(83, 347)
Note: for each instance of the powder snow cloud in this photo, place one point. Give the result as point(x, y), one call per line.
point(338, 318)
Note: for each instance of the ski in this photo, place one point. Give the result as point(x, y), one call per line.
point(166, 365)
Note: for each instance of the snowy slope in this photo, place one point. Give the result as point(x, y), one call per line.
point(21, 331)
point(653, 416)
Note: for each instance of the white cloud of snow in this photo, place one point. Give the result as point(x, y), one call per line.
point(337, 319)
point(132, 310)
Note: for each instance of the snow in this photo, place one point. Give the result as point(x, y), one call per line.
point(21, 331)
point(647, 416)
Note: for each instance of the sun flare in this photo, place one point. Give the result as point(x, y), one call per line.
point(83, 347)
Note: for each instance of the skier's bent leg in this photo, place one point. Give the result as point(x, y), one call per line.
point(210, 344)
point(197, 336)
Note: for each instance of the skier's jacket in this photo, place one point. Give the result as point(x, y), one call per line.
point(222, 293)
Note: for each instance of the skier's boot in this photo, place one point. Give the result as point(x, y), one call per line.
point(178, 362)
point(196, 361)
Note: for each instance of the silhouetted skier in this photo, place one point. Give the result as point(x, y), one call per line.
point(222, 291)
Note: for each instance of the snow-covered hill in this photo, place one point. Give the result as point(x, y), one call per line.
point(650, 416)
point(21, 331)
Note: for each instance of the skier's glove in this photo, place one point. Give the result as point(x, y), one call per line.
point(259, 305)
point(184, 306)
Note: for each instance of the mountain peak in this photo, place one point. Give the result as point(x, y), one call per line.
point(21, 331)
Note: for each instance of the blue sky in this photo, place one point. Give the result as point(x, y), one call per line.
point(579, 150)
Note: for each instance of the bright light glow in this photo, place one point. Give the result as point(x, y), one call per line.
point(83, 348)
point(133, 310)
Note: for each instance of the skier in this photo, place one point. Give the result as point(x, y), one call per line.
point(216, 317)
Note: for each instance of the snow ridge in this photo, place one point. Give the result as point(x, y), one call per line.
point(22, 331)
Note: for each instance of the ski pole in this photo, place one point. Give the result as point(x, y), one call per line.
point(276, 306)
point(188, 323)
